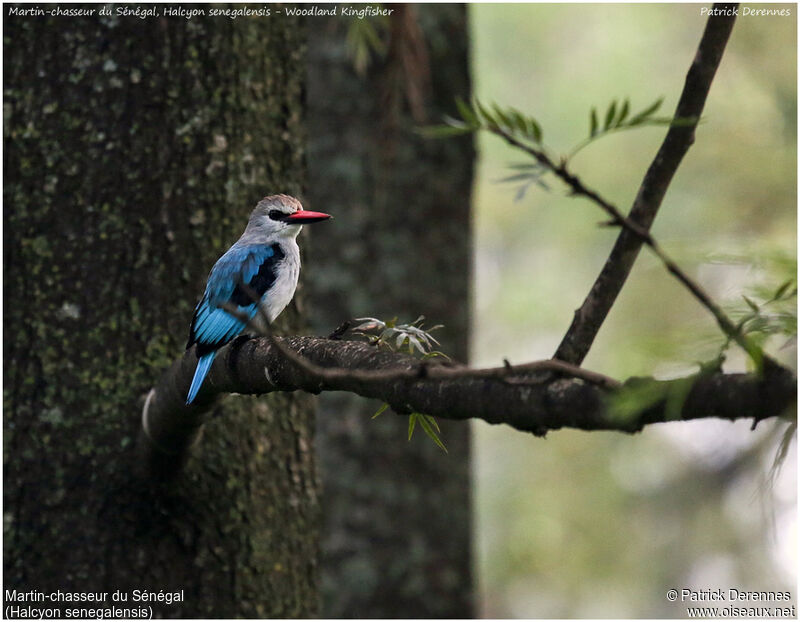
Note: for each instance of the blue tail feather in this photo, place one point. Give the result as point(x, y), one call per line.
point(203, 365)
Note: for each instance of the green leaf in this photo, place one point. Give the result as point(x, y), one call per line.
point(381, 410)
point(491, 122)
point(444, 131)
point(412, 421)
point(519, 120)
point(505, 119)
point(676, 397)
point(635, 397)
point(413, 341)
point(646, 112)
point(363, 40)
point(782, 289)
point(740, 324)
point(427, 426)
point(593, 123)
point(623, 113)
point(535, 131)
point(610, 114)
point(517, 177)
point(467, 113)
point(674, 122)
point(751, 304)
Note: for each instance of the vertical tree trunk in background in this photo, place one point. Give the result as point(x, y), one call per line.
point(135, 150)
point(396, 535)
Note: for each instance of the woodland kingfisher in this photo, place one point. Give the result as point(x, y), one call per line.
point(263, 264)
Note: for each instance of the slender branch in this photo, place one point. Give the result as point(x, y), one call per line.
point(592, 313)
point(730, 329)
point(635, 233)
point(534, 397)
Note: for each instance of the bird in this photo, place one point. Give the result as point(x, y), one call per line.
point(264, 263)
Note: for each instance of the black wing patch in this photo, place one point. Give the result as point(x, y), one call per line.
point(212, 326)
point(261, 281)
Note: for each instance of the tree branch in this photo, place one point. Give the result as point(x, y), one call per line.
point(592, 313)
point(731, 330)
point(535, 397)
point(422, 368)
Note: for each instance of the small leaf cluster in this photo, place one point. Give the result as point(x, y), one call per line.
point(773, 316)
point(427, 422)
point(617, 117)
point(510, 123)
point(365, 39)
point(640, 394)
point(766, 311)
point(526, 174)
point(412, 338)
point(474, 116)
point(429, 425)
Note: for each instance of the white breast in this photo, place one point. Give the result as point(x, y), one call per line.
point(280, 294)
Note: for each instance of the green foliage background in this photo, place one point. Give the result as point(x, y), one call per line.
point(603, 524)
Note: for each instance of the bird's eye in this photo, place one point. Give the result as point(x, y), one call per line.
point(276, 214)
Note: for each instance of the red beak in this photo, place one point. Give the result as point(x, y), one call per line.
point(304, 216)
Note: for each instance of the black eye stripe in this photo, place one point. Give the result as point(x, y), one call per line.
point(276, 214)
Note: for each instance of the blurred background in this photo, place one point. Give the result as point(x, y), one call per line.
point(198, 118)
point(580, 523)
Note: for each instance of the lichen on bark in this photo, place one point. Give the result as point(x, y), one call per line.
point(405, 251)
point(135, 150)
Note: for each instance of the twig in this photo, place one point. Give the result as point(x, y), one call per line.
point(641, 235)
point(618, 219)
point(592, 313)
point(426, 369)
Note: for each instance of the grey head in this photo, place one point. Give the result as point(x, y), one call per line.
point(280, 215)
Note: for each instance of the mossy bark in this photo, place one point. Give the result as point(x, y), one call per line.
point(396, 514)
point(135, 149)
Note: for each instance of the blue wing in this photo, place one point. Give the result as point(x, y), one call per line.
point(239, 273)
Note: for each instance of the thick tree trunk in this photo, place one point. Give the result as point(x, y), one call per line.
point(135, 150)
point(396, 514)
